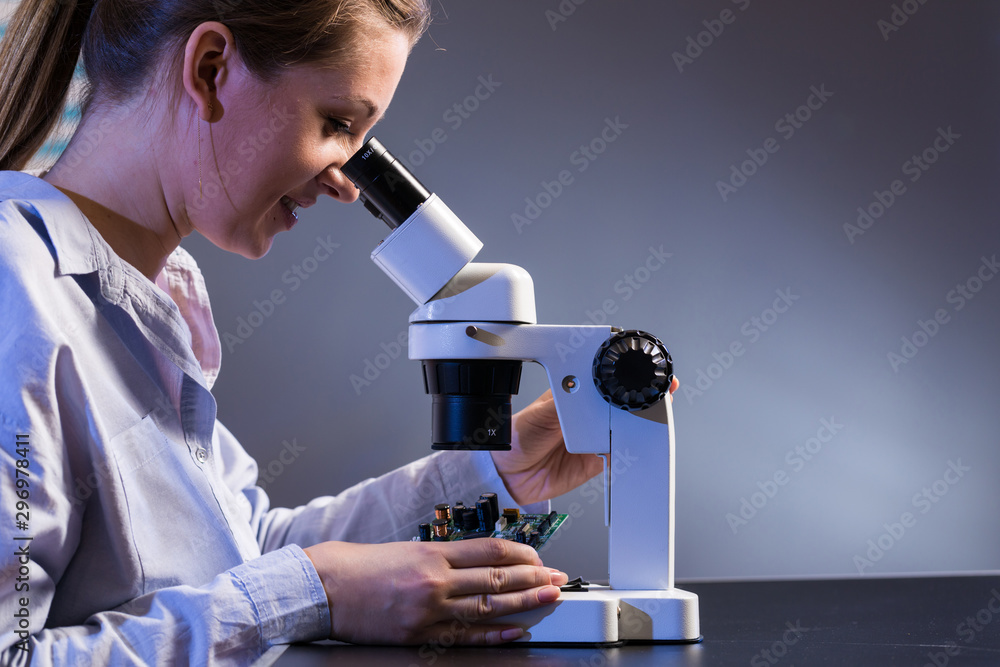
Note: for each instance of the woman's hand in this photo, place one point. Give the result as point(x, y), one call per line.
point(538, 467)
point(418, 592)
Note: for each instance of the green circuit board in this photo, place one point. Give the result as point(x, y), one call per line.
point(529, 523)
point(465, 523)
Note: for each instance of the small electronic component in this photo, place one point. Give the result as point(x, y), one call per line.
point(442, 511)
point(483, 511)
point(491, 498)
point(461, 522)
point(470, 519)
point(440, 529)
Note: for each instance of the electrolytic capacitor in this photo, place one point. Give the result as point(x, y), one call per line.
point(494, 506)
point(424, 531)
point(483, 514)
point(470, 519)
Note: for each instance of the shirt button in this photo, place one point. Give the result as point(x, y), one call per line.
point(201, 454)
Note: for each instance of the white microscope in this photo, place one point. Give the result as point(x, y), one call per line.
point(473, 326)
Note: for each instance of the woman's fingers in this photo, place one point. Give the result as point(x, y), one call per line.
point(490, 551)
point(486, 606)
point(504, 578)
point(493, 578)
point(468, 617)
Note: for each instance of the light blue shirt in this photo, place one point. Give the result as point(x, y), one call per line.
point(146, 525)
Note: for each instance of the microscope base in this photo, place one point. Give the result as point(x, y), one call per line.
point(601, 615)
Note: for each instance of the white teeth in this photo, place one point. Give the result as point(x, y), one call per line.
point(291, 205)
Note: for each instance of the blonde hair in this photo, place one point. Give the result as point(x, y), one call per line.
point(124, 42)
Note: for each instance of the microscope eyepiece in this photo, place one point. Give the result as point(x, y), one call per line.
point(389, 191)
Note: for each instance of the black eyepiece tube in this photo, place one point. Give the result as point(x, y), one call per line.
point(471, 407)
point(389, 191)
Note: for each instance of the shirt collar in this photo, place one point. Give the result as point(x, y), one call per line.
point(78, 249)
point(77, 246)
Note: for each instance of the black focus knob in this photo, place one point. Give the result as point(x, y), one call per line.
point(633, 370)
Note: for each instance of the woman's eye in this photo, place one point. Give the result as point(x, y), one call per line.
point(337, 126)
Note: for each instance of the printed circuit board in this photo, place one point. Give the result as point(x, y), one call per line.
point(459, 522)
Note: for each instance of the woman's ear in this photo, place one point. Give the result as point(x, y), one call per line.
point(209, 57)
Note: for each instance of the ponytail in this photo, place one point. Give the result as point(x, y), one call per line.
point(38, 54)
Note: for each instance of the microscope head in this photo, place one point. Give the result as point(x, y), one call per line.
point(428, 254)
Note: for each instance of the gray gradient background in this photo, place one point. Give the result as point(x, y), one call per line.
point(826, 357)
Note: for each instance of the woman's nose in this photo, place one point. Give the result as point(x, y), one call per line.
point(337, 185)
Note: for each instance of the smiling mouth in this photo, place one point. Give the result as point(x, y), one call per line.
point(291, 205)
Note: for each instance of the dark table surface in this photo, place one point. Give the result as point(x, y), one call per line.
point(940, 621)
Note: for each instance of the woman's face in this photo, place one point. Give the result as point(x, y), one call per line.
point(280, 146)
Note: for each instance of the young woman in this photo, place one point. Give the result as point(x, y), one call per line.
point(142, 535)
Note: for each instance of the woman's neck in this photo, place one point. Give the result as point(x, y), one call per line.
point(111, 172)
